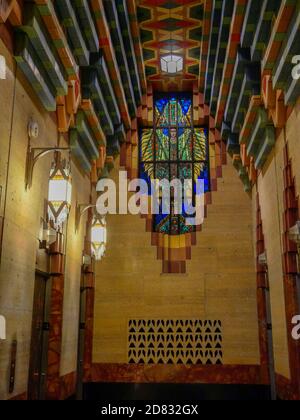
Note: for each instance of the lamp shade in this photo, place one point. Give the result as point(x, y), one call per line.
point(98, 237)
point(60, 192)
point(171, 63)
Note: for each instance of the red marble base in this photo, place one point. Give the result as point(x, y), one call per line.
point(21, 397)
point(285, 389)
point(226, 374)
point(68, 385)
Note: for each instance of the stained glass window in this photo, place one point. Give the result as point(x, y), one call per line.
point(174, 148)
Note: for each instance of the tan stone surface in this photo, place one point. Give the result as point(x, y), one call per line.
point(220, 281)
point(270, 185)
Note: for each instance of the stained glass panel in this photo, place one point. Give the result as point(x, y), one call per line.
point(147, 149)
point(162, 146)
point(173, 149)
point(173, 112)
point(162, 171)
point(185, 144)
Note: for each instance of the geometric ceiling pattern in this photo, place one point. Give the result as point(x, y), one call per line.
point(171, 26)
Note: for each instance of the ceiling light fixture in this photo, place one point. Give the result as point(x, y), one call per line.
point(171, 63)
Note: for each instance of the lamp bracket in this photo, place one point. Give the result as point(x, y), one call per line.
point(34, 154)
point(81, 209)
point(262, 259)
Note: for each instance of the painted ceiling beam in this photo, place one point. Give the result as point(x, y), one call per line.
point(115, 30)
point(135, 31)
point(233, 145)
point(251, 86)
point(91, 90)
point(248, 29)
point(268, 9)
point(207, 12)
point(30, 64)
point(129, 47)
point(34, 27)
point(267, 145)
point(69, 21)
point(82, 126)
point(225, 130)
point(282, 72)
point(97, 61)
point(232, 48)
point(212, 52)
point(90, 113)
point(226, 15)
point(87, 24)
point(242, 59)
point(254, 106)
point(58, 37)
point(79, 152)
point(237, 163)
point(262, 139)
point(110, 58)
point(113, 146)
point(279, 31)
point(120, 133)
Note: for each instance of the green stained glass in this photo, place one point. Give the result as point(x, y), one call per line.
point(173, 112)
point(162, 171)
point(162, 113)
point(185, 171)
point(185, 146)
point(172, 149)
point(147, 145)
point(184, 113)
point(162, 144)
point(200, 144)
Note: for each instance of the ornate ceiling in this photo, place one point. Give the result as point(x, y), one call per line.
point(171, 25)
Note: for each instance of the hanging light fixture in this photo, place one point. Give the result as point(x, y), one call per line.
point(98, 237)
point(60, 191)
point(171, 63)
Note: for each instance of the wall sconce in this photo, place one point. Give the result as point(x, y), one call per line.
point(48, 236)
point(86, 261)
point(98, 237)
point(262, 259)
point(294, 234)
point(2, 68)
point(36, 153)
point(60, 191)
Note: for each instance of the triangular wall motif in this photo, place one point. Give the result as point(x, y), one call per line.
point(176, 344)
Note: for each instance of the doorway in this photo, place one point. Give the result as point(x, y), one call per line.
point(39, 338)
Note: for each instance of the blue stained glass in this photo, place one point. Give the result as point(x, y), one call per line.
point(160, 104)
point(185, 105)
point(174, 148)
